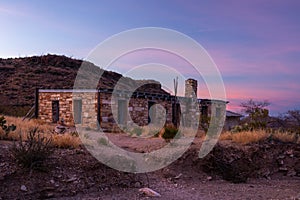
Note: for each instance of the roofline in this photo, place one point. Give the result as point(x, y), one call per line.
point(211, 100)
point(237, 114)
point(67, 90)
point(106, 90)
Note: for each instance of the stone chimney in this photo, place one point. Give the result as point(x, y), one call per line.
point(191, 88)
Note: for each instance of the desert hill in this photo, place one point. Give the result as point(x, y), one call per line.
point(20, 76)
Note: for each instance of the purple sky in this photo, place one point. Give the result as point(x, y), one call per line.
point(255, 44)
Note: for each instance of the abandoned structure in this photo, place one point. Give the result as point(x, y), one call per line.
point(232, 120)
point(108, 109)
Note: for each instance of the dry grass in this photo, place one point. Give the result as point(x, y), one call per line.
point(65, 141)
point(285, 137)
point(23, 128)
point(250, 137)
point(28, 125)
point(68, 140)
point(246, 137)
point(226, 136)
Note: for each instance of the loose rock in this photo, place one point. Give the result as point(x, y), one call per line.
point(23, 188)
point(149, 192)
point(178, 176)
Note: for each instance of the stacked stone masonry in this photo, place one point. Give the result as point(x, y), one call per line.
point(112, 111)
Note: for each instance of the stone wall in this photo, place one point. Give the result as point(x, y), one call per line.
point(65, 99)
point(89, 108)
point(136, 108)
point(106, 119)
point(136, 111)
point(108, 116)
point(191, 112)
point(65, 106)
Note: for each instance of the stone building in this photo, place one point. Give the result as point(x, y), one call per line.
point(109, 109)
point(232, 120)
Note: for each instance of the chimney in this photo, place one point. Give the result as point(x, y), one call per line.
point(191, 88)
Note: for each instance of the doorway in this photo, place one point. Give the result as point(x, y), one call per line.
point(77, 111)
point(151, 115)
point(55, 111)
point(122, 112)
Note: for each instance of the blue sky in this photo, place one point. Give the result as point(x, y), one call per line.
point(255, 44)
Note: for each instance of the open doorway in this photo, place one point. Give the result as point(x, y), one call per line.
point(55, 111)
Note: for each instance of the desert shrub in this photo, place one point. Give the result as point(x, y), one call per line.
point(241, 128)
point(34, 151)
point(170, 131)
point(257, 113)
point(137, 131)
point(6, 128)
point(102, 142)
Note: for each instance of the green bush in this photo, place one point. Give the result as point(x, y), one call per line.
point(103, 141)
point(138, 131)
point(241, 128)
point(170, 132)
point(133, 131)
point(6, 128)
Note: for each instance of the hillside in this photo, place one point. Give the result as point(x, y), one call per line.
point(20, 76)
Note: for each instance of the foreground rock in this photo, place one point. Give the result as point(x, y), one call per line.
point(149, 192)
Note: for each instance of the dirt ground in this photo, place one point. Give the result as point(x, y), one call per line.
point(268, 170)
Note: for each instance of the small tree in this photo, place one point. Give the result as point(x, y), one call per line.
point(291, 120)
point(257, 113)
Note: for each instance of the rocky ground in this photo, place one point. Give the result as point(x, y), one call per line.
point(267, 170)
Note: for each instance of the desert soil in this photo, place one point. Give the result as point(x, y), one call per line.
point(75, 174)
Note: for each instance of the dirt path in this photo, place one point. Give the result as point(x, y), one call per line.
point(75, 174)
point(217, 189)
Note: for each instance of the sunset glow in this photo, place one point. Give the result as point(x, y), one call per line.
point(255, 44)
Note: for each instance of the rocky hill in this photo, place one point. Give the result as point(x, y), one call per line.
point(20, 76)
